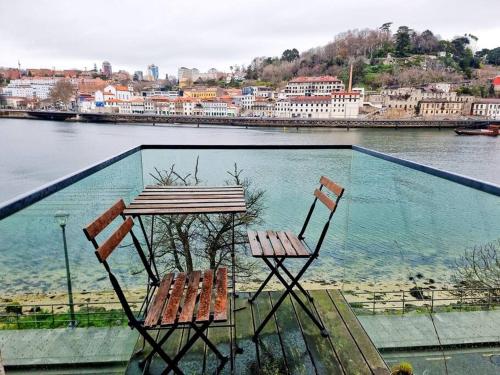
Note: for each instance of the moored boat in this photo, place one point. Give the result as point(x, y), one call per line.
point(491, 131)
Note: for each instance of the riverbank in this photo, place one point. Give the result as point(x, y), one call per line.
point(388, 292)
point(247, 122)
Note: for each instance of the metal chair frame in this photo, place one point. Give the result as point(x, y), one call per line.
point(138, 321)
point(313, 254)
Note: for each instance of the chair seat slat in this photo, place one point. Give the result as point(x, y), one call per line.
point(205, 297)
point(154, 314)
point(190, 299)
point(297, 244)
point(173, 304)
point(287, 245)
point(265, 244)
point(220, 307)
point(277, 246)
point(254, 244)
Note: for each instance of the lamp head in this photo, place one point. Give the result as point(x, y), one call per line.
point(61, 217)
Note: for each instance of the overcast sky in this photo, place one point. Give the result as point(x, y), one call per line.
point(212, 33)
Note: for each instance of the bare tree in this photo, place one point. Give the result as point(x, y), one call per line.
point(479, 267)
point(61, 93)
point(187, 242)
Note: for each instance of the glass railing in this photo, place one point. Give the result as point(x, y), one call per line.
point(392, 247)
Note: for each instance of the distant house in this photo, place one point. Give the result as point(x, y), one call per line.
point(489, 108)
point(313, 86)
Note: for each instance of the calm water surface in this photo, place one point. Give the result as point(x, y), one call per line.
point(33, 153)
point(393, 221)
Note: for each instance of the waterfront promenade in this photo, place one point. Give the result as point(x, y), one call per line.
point(260, 122)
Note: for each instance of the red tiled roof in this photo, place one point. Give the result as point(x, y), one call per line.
point(344, 93)
point(496, 81)
point(322, 98)
point(315, 79)
point(121, 88)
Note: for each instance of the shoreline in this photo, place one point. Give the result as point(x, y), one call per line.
point(354, 292)
point(244, 122)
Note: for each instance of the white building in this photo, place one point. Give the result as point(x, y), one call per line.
point(313, 86)
point(214, 108)
point(31, 88)
point(282, 108)
point(310, 106)
point(489, 108)
point(123, 93)
point(345, 104)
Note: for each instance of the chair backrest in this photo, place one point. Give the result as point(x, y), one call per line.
point(319, 194)
point(106, 248)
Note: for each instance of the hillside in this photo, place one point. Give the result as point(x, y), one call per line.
point(381, 58)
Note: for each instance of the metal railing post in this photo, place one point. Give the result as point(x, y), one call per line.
point(53, 318)
point(403, 302)
point(489, 298)
point(88, 315)
point(374, 303)
point(432, 301)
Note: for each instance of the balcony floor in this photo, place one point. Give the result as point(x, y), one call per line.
point(289, 344)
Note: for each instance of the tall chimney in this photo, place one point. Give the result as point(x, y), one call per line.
point(350, 79)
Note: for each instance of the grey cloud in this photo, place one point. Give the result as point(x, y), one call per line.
point(216, 33)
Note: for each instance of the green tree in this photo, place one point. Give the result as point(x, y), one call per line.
point(493, 56)
point(290, 55)
point(403, 41)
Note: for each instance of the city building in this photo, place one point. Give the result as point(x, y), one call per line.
point(122, 92)
point(138, 76)
point(282, 108)
point(31, 88)
point(313, 86)
point(10, 73)
point(106, 69)
point(489, 108)
point(153, 73)
point(202, 92)
point(310, 106)
point(345, 104)
point(214, 108)
point(440, 108)
point(262, 107)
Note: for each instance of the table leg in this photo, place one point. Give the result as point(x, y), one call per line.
point(236, 349)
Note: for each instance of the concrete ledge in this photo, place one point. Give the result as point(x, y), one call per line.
point(416, 331)
point(64, 346)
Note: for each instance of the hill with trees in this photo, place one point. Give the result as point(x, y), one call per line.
point(381, 58)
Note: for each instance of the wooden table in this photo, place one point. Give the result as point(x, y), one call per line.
point(179, 200)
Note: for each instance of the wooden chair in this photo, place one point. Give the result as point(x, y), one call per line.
point(278, 246)
point(192, 299)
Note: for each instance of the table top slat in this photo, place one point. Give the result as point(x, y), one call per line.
point(179, 200)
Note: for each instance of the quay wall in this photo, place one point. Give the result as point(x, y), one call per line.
point(241, 121)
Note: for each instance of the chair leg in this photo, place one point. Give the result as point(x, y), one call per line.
point(289, 290)
point(149, 357)
point(289, 274)
point(171, 363)
point(269, 277)
point(209, 343)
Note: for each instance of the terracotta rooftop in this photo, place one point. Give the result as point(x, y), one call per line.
point(496, 81)
point(315, 79)
point(322, 98)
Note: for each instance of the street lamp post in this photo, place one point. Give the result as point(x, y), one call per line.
point(61, 219)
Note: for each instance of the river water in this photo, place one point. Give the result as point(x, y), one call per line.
point(430, 220)
point(33, 153)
